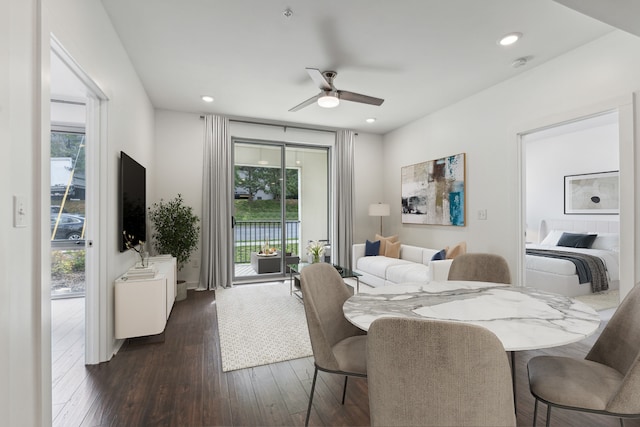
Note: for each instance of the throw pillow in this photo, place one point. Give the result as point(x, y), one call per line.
point(439, 256)
point(372, 248)
point(384, 240)
point(392, 250)
point(574, 240)
point(459, 249)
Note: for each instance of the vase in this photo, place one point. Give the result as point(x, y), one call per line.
point(316, 258)
point(144, 259)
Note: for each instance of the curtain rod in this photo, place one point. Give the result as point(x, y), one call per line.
point(251, 122)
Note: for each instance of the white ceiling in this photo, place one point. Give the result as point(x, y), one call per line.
point(419, 55)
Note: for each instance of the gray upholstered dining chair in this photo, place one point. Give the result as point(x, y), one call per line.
point(480, 267)
point(435, 373)
point(606, 381)
point(338, 346)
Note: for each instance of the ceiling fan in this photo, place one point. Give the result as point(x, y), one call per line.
point(329, 96)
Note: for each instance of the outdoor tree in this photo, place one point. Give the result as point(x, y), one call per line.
point(253, 179)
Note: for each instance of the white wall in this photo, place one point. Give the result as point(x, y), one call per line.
point(23, 332)
point(485, 126)
point(85, 31)
point(178, 169)
point(566, 150)
point(371, 169)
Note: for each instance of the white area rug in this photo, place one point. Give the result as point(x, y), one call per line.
point(601, 300)
point(260, 324)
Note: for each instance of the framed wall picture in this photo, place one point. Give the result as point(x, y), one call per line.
point(433, 192)
point(592, 194)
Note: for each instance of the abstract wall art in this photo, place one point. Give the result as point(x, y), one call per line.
point(592, 194)
point(433, 192)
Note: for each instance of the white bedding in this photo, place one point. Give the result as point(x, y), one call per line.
point(558, 275)
point(567, 268)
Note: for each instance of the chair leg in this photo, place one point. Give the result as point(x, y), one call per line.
point(548, 414)
point(313, 388)
point(621, 422)
point(535, 413)
point(344, 390)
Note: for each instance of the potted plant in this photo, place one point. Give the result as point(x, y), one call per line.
point(175, 232)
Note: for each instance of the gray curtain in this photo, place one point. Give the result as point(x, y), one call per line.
point(344, 197)
point(217, 203)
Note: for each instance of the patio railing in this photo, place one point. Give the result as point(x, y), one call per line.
point(251, 235)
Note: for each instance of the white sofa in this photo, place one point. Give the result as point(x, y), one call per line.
point(413, 265)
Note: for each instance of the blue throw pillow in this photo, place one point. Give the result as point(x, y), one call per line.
point(372, 248)
point(442, 255)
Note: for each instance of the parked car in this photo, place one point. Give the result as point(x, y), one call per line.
point(69, 227)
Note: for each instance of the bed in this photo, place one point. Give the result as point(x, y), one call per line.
point(574, 271)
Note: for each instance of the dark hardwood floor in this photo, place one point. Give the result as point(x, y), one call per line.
point(176, 379)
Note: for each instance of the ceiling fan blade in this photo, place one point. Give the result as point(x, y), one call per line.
point(307, 102)
point(319, 79)
point(357, 97)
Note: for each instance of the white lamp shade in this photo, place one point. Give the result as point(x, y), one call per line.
point(379, 209)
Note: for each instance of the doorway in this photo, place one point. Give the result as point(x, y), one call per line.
point(281, 203)
point(592, 143)
point(76, 159)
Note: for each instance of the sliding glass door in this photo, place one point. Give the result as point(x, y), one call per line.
point(281, 202)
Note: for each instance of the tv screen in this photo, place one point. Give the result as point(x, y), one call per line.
point(132, 199)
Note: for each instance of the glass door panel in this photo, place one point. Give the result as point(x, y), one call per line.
point(258, 229)
point(311, 197)
point(67, 212)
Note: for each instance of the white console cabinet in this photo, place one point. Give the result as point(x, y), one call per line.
point(142, 306)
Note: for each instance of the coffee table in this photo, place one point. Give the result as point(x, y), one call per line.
point(344, 273)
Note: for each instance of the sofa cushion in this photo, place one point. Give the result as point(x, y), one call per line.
point(459, 249)
point(427, 254)
point(372, 248)
point(413, 272)
point(377, 265)
point(384, 240)
point(411, 253)
point(439, 256)
point(392, 250)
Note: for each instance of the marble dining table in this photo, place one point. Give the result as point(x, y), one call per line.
point(523, 318)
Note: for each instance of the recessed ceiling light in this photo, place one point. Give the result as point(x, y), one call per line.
point(207, 98)
point(263, 162)
point(371, 120)
point(509, 39)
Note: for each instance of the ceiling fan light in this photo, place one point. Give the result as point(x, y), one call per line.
point(329, 100)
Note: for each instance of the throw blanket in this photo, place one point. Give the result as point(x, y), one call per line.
point(588, 267)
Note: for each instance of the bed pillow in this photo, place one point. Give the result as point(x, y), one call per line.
point(574, 240)
point(372, 248)
point(552, 238)
point(607, 242)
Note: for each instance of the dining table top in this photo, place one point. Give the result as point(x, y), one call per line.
point(523, 318)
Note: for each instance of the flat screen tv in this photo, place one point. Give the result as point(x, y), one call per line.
point(132, 200)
